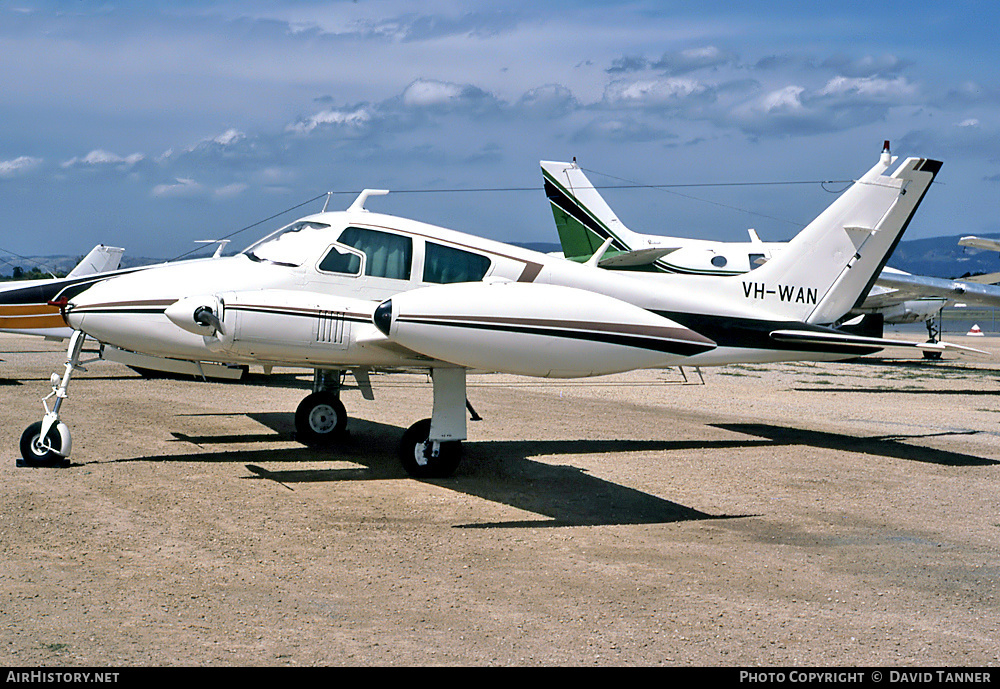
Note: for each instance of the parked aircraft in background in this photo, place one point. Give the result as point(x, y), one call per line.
point(980, 243)
point(24, 304)
point(356, 291)
point(587, 227)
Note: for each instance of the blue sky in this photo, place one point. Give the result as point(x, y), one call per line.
point(151, 125)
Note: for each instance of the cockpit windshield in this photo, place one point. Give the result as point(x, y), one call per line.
point(293, 245)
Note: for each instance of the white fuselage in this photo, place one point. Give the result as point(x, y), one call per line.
point(284, 307)
point(357, 289)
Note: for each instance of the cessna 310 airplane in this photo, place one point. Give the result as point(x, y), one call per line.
point(357, 290)
point(587, 226)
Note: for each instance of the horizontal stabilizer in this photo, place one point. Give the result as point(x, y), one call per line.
point(632, 259)
point(845, 340)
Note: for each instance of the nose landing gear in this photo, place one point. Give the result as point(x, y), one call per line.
point(47, 443)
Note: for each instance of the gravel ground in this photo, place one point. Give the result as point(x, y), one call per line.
point(785, 514)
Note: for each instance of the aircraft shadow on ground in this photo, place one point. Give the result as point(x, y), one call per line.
point(503, 472)
point(897, 391)
point(885, 446)
point(498, 471)
point(923, 365)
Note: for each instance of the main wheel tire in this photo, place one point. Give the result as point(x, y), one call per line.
point(417, 454)
point(34, 453)
point(320, 419)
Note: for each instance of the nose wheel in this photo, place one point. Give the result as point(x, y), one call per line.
point(37, 451)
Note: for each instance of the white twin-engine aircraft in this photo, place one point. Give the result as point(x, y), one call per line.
point(356, 290)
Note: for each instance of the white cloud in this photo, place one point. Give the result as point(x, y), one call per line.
point(98, 157)
point(840, 104)
point(654, 92)
point(869, 88)
point(354, 119)
point(423, 93)
point(787, 99)
point(229, 137)
point(18, 166)
point(431, 94)
point(187, 188)
point(230, 191)
point(180, 188)
point(689, 60)
point(551, 100)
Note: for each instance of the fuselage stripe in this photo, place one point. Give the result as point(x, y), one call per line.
point(670, 346)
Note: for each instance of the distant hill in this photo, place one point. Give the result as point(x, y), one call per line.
point(937, 257)
point(942, 257)
point(58, 264)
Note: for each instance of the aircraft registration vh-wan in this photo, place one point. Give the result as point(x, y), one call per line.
point(359, 291)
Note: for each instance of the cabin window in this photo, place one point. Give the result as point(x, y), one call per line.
point(341, 260)
point(756, 260)
point(444, 264)
point(387, 255)
point(719, 261)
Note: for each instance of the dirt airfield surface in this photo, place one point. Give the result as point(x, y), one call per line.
point(785, 514)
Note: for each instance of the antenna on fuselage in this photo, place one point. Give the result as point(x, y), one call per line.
point(359, 203)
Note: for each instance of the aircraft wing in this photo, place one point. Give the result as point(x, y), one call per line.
point(980, 243)
point(861, 342)
point(101, 259)
point(923, 286)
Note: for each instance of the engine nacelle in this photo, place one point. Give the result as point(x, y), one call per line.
point(534, 330)
point(274, 325)
point(198, 315)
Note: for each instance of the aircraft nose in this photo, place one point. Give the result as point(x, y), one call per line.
point(72, 315)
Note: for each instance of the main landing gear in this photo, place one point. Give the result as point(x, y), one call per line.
point(321, 419)
point(431, 448)
point(933, 336)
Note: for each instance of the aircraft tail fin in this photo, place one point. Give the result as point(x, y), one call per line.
point(583, 218)
point(101, 259)
point(829, 267)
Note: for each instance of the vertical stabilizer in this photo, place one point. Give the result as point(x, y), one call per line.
point(829, 267)
point(583, 218)
point(101, 259)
